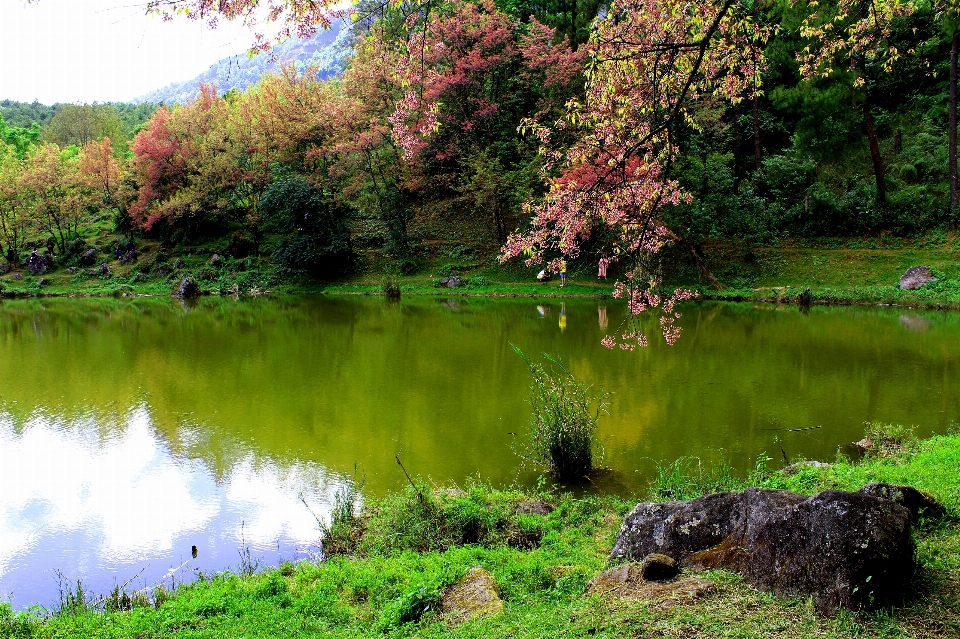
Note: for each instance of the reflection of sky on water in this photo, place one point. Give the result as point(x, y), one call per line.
point(101, 509)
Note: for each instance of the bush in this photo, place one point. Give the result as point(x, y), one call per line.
point(316, 237)
point(564, 421)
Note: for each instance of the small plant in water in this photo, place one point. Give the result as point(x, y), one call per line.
point(391, 287)
point(564, 420)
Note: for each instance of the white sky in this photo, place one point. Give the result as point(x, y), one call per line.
point(102, 50)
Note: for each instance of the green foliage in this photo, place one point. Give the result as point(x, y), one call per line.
point(564, 420)
point(316, 238)
point(425, 520)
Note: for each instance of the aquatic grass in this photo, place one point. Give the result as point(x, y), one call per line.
point(390, 286)
point(564, 420)
point(688, 477)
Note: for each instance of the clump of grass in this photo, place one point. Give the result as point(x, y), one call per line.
point(564, 421)
point(342, 534)
point(390, 286)
point(688, 478)
point(444, 519)
point(886, 440)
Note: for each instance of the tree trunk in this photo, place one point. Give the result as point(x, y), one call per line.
point(952, 132)
point(874, 150)
point(573, 25)
point(756, 129)
point(736, 148)
point(702, 268)
point(756, 98)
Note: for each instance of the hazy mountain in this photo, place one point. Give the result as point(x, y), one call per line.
point(326, 49)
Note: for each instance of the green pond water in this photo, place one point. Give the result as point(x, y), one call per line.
point(131, 430)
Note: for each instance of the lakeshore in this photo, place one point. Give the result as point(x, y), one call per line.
point(402, 560)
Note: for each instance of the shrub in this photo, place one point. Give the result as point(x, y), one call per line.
point(316, 237)
point(564, 420)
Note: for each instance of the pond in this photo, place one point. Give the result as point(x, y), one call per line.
point(132, 430)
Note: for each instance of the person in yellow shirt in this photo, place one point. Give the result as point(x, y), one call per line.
point(563, 273)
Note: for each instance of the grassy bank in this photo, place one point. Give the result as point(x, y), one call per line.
point(837, 271)
point(399, 555)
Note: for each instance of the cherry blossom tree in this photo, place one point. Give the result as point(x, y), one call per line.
point(649, 62)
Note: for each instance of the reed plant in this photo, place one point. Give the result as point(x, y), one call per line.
point(563, 425)
point(390, 285)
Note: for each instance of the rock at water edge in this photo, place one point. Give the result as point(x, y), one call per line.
point(915, 277)
point(188, 288)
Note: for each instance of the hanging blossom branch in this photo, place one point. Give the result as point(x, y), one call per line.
point(649, 60)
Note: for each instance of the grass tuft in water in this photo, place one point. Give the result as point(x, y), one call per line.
point(390, 286)
point(564, 421)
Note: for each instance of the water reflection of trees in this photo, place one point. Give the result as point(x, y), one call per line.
point(338, 381)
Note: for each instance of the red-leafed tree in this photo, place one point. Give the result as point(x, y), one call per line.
point(470, 73)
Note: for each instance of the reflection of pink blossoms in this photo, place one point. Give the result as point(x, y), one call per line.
point(645, 298)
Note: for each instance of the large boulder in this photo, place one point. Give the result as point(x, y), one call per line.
point(39, 264)
point(848, 550)
point(188, 288)
point(451, 281)
point(915, 277)
point(88, 258)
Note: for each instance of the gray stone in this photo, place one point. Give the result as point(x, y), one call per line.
point(5, 268)
point(104, 270)
point(451, 281)
point(188, 288)
point(658, 567)
point(844, 549)
point(473, 596)
point(915, 277)
point(39, 264)
point(178, 264)
point(129, 256)
point(215, 260)
point(88, 258)
point(163, 271)
point(533, 508)
point(43, 281)
point(18, 276)
point(919, 503)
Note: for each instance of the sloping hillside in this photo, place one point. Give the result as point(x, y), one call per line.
point(326, 49)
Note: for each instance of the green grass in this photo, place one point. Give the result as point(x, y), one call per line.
point(838, 271)
point(409, 548)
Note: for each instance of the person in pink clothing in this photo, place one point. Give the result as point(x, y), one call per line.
point(604, 262)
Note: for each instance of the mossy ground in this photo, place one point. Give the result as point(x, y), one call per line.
point(409, 551)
